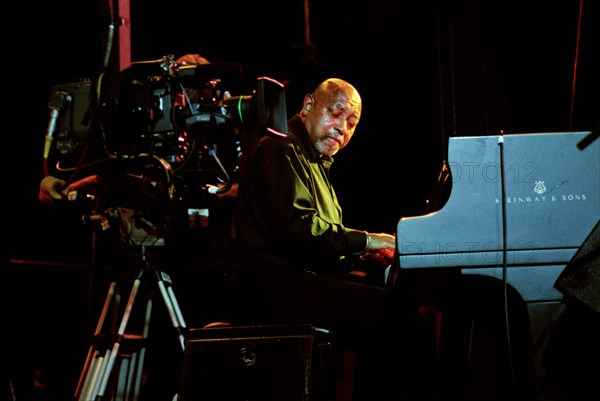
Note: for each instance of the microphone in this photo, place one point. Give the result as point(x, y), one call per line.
point(59, 100)
point(589, 138)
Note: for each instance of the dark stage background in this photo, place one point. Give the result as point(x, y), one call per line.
point(427, 70)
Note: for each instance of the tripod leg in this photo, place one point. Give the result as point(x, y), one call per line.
point(166, 289)
point(131, 365)
point(92, 382)
point(88, 367)
point(120, 334)
point(137, 381)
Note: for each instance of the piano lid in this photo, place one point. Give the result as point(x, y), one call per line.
point(552, 202)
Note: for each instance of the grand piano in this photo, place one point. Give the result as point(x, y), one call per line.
point(518, 210)
point(520, 207)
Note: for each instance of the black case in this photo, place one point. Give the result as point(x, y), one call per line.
point(256, 363)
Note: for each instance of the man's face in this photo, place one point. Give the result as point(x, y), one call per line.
point(330, 119)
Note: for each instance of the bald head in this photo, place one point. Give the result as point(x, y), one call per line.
point(333, 87)
point(330, 115)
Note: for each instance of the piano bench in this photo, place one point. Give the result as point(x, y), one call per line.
point(223, 360)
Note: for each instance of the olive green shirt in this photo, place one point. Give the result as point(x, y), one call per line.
point(287, 212)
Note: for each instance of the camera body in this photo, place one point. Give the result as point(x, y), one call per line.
point(176, 113)
point(149, 135)
point(155, 107)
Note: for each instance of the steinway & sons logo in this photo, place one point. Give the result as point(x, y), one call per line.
point(540, 196)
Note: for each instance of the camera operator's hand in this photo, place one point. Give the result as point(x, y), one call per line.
point(191, 59)
point(53, 190)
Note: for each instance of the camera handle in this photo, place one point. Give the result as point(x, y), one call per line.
point(214, 189)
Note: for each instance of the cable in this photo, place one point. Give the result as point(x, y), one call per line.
point(504, 267)
point(575, 65)
point(110, 36)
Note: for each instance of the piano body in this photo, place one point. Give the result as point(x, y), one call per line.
point(531, 221)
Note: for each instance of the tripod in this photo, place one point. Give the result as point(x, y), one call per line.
point(97, 379)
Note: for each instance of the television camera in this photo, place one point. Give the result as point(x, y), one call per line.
point(147, 138)
point(136, 153)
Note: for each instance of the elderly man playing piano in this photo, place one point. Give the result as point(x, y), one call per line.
point(292, 255)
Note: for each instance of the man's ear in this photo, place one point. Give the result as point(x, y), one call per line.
point(308, 102)
point(305, 107)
